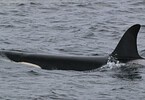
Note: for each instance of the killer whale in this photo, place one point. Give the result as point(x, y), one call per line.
point(125, 51)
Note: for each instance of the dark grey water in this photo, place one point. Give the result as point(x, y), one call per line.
point(80, 27)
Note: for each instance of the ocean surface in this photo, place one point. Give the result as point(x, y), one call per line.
point(70, 27)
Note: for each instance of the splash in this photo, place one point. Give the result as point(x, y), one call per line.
point(112, 63)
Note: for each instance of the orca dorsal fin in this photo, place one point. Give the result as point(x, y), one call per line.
point(127, 47)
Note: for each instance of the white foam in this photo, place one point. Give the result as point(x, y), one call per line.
point(112, 65)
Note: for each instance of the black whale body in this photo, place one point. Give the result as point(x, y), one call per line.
point(125, 51)
point(49, 62)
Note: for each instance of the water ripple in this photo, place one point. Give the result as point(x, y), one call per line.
point(79, 27)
